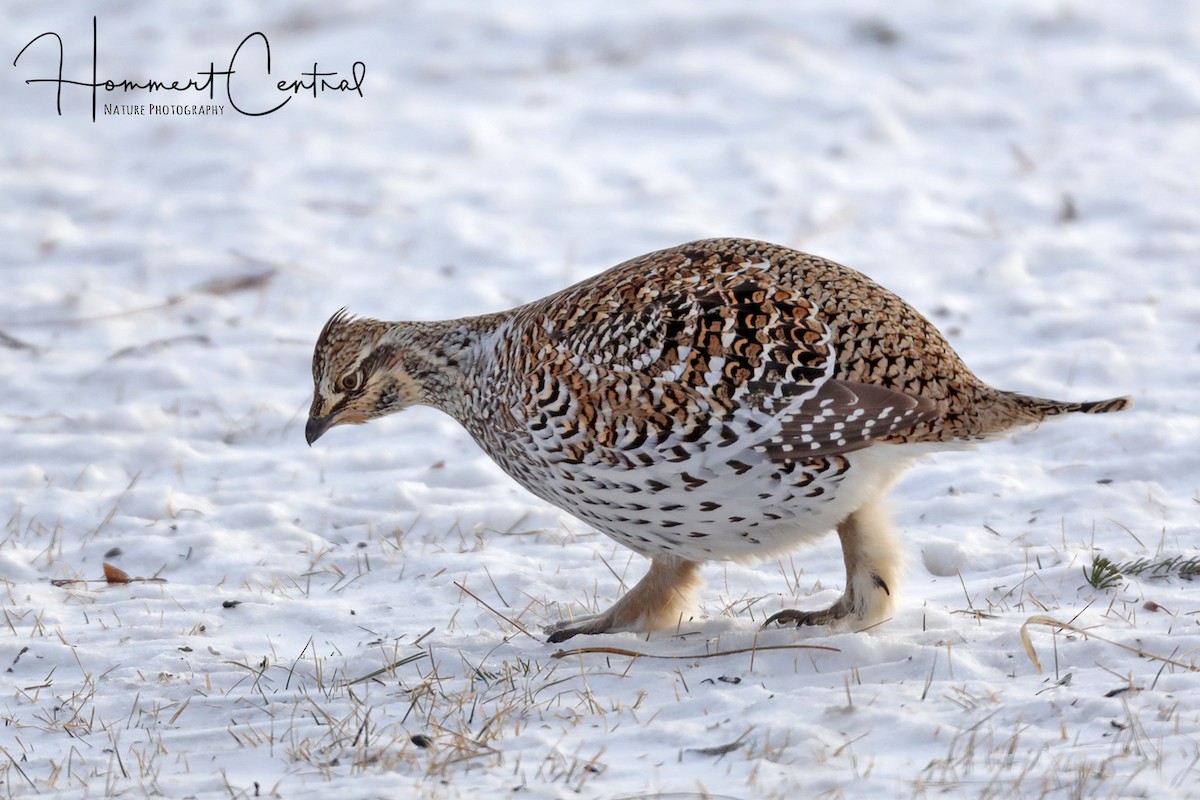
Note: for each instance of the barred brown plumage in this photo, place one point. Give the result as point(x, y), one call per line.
point(723, 399)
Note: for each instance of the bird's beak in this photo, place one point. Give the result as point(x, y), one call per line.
point(317, 426)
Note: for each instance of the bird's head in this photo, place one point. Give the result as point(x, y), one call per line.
point(362, 369)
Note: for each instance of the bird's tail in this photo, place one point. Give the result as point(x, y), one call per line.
point(1039, 407)
point(995, 413)
point(1011, 411)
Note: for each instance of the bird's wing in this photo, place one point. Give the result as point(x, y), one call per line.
point(840, 416)
point(743, 360)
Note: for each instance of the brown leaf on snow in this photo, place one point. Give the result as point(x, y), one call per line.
point(115, 574)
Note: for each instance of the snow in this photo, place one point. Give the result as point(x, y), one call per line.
point(1022, 172)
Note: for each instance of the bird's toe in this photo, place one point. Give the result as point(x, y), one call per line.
point(565, 629)
point(825, 616)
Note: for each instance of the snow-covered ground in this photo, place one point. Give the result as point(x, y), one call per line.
point(362, 619)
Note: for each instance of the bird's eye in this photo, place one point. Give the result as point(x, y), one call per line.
point(351, 382)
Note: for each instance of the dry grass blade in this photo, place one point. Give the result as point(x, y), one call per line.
point(217, 287)
point(1049, 622)
point(160, 344)
point(18, 768)
point(618, 651)
point(723, 749)
point(239, 283)
point(479, 600)
point(13, 343)
point(174, 300)
point(388, 668)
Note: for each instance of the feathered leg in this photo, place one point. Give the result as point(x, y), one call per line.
point(873, 567)
point(657, 601)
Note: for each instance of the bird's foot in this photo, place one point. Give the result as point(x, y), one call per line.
point(594, 623)
point(657, 601)
point(825, 616)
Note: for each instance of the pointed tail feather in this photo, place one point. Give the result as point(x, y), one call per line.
point(1105, 406)
point(1040, 407)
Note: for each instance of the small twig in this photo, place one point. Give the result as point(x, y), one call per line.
point(238, 283)
point(217, 287)
point(18, 767)
point(723, 749)
point(160, 344)
point(388, 668)
point(73, 581)
point(112, 512)
point(13, 343)
point(168, 303)
point(488, 572)
point(481, 602)
point(1053, 623)
point(618, 651)
point(292, 669)
point(112, 576)
point(966, 593)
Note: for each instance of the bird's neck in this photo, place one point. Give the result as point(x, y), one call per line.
point(445, 358)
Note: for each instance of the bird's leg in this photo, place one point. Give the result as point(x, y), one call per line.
point(873, 565)
point(657, 601)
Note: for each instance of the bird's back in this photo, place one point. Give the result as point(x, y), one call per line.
point(669, 345)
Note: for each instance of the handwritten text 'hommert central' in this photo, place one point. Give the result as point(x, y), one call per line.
point(315, 81)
